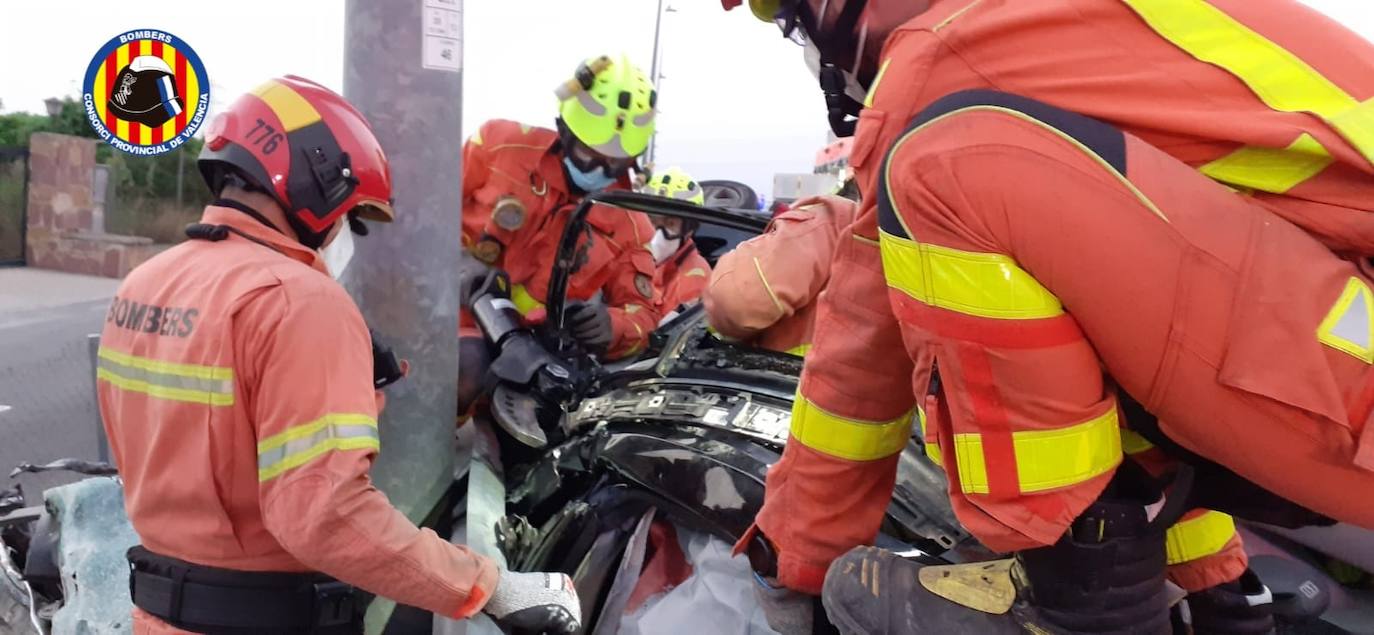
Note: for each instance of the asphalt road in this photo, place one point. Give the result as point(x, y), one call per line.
point(47, 396)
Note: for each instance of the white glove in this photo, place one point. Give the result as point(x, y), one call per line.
point(539, 601)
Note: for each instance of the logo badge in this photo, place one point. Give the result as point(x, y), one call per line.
point(146, 92)
point(509, 213)
point(644, 285)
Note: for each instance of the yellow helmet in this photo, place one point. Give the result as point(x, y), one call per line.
point(764, 10)
point(609, 106)
point(676, 184)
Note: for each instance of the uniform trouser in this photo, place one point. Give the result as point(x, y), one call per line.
point(1048, 259)
point(145, 624)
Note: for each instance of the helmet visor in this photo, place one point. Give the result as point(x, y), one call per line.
point(587, 159)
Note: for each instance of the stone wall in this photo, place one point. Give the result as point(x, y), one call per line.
point(61, 221)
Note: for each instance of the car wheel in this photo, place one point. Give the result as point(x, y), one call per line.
point(730, 194)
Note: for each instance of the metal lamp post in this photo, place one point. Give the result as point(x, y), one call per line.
point(653, 70)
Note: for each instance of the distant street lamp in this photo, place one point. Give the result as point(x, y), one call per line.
point(54, 106)
point(653, 71)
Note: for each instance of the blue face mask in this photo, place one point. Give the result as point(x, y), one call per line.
point(593, 181)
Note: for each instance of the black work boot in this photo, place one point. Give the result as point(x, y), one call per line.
point(1107, 576)
point(1241, 607)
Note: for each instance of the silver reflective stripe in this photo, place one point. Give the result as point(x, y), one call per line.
point(1353, 325)
point(686, 195)
point(167, 380)
point(590, 103)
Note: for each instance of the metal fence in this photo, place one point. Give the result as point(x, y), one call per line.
point(14, 183)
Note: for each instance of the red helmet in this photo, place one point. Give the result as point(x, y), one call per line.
point(305, 146)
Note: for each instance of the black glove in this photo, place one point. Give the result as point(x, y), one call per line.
point(386, 368)
point(590, 324)
point(488, 279)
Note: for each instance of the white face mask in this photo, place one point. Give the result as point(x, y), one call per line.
point(338, 252)
point(852, 87)
point(662, 246)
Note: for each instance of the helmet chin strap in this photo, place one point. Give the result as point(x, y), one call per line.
point(841, 108)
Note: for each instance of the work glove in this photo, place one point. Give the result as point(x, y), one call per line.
point(788, 612)
point(539, 602)
point(483, 280)
point(590, 324)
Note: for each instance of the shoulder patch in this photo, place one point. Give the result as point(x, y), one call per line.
point(509, 213)
point(487, 250)
point(644, 285)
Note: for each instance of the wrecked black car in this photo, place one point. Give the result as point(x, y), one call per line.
point(637, 477)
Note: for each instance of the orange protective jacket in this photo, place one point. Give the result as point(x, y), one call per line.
point(235, 387)
point(1295, 138)
point(765, 291)
point(516, 201)
point(681, 278)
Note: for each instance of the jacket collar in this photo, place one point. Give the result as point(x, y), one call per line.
point(216, 215)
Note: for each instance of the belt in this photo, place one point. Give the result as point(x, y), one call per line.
point(218, 601)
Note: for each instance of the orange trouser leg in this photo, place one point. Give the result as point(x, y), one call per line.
point(1179, 285)
point(146, 624)
point(1206, 571)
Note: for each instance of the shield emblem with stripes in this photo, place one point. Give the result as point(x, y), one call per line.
point(146, 92)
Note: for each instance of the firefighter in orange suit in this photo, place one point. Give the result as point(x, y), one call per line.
point(235, 385)
point(680, 271)
point(766, 290)
point(1082, 215)
point(520, 183)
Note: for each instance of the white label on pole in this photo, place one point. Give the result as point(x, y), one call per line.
point(442, 35)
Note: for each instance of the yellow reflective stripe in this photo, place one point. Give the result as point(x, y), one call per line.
point(800, 350)
point(1133, 443)
point(696, 273)
point(954, 16)
point(524, 302)
point(1271, 169)
point(873, 88)
point(1199, 537)
point(851, 439)
point(979, 284)
point(165, 392)
point(292, 109)
point(769, 288)
point(1046, 459)
point(169, 368)
point(932, 448)
point(301, 444)
point(1347, 326)
point(210, 385)
point(1278, 77)
point(864, 240)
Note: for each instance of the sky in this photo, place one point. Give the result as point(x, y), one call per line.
point(736, 101)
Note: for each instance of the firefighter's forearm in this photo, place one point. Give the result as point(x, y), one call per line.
point(345, 528)
point(630, 329)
